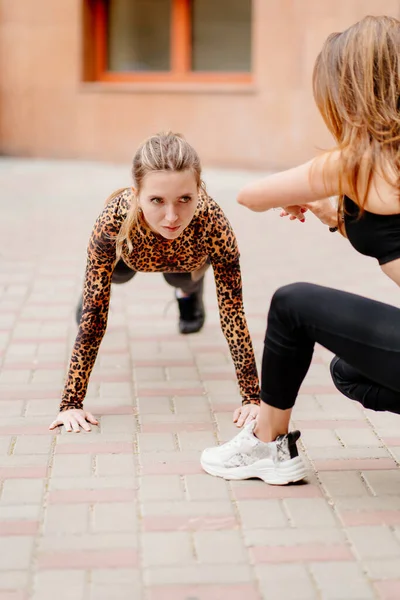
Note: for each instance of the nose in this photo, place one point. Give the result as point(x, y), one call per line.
point(171, 215)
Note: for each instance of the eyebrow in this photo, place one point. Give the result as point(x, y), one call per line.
point(162, 197)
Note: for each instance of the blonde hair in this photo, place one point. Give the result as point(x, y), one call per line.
point(161, 152)
point(356, 85)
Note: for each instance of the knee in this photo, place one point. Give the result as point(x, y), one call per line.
point(122, 273)
point(291, 295)
point(122, 277)
point(334, 368)
point(170, 278)
point(343, 380)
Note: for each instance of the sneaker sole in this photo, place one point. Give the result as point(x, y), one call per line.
point(288, 472)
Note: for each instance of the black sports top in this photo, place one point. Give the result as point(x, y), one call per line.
point(373, 235)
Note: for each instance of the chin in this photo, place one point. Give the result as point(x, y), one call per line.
point(171, 235)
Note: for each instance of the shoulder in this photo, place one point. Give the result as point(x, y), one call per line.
point(338, 172)
point(118, 204)
point(220, 235)
point(367, 181)
point(212, 211)
point(351, 168)
point(110, 220)
point(115, 210)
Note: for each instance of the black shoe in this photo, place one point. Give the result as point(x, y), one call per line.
point(191, 312)
point(78, 311)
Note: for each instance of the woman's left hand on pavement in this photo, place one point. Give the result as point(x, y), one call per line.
point(245, 414)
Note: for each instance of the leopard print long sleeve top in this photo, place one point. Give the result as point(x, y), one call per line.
point(209, 236)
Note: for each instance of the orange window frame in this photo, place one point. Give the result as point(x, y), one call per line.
point(181, 50)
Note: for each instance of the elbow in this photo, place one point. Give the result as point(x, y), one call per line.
point(250, 198)
point(241, 199)
point(244, 199)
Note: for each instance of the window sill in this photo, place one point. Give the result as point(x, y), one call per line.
point(102, 87)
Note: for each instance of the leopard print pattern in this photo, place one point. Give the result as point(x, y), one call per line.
point(208, 236)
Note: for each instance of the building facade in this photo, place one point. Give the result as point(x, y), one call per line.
point(91, 79)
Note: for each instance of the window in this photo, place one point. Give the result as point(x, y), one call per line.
point(138, 35)
point(171, 40)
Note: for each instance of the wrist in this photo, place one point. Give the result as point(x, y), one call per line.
point(250, 401)
point(66, 406)
point(333, 223)
point(329, 216)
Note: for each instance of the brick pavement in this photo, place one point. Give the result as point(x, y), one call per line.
point(126, 511)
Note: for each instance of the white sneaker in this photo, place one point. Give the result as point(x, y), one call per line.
point(245, 456)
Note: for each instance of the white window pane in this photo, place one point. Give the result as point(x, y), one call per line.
point(139, 35)
point(221, 35)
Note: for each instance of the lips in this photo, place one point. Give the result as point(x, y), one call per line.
point(172, 228)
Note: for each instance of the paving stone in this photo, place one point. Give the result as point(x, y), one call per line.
point(341, 581)
point(374, 542)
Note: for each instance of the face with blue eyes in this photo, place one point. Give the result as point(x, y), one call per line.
point(168, 200)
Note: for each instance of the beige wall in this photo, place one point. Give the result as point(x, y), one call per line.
point(45, 109)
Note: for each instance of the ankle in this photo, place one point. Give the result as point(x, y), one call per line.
point(181, 294)
point(266, 434)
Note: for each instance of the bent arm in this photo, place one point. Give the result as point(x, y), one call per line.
point(309, 182)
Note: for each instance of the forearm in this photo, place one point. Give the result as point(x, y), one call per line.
point(235, 330)
point(242, 353)
point(277, 190)
point(309, 182)
point(81, 364)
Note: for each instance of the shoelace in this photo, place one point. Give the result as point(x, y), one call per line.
point(168, 306)
point(188, 309)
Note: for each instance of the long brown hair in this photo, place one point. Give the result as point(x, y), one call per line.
point(161, 152)
point(356, 85)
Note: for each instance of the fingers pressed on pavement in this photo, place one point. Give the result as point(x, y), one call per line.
point(91, 419)
point(241, 419)
point(75, 425)
point(83, 423)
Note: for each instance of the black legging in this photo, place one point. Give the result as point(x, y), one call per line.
point(122, 273)
point(364, 334)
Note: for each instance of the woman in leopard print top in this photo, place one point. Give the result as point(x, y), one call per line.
point(166, 223)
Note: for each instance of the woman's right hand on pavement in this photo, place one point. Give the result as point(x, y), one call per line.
point(73, 419)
